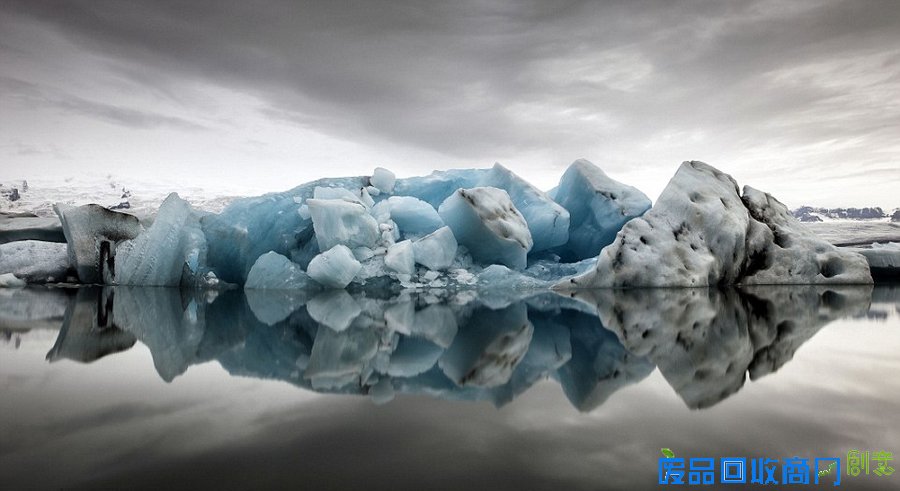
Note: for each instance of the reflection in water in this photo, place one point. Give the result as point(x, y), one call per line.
point(453, 346)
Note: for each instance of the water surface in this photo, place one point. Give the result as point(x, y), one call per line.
point(145, 388)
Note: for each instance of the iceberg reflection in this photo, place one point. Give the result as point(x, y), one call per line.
point(452, 345)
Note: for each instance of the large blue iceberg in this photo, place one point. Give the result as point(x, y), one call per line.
point(480, 229)
point(448, 229)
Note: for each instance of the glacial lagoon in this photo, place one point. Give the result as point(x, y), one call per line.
point(161, 388)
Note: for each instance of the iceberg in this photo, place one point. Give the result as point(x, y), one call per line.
point(413, 217)
point(486, 222)
point(702, 232)
point(598, 207)
point(251, 227)
point(436, 250)
point(383, 180)
point(334, 268)
point(548, 221)
point(35, 261)
point(92, 234)
point(484, 230)
point(272, 271)
point(400, 258)
point(169, 253)
point(340, 222)
point(883, 259)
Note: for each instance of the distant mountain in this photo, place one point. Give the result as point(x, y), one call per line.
point(813, 214)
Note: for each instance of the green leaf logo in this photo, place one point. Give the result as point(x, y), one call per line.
point(668, 453)
point(827, 469)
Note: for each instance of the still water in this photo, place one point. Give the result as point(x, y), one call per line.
point(154, 388)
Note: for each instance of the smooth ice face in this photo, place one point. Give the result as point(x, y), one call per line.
point(337, 221)
point(413, 217)
point(701, 232)
point(548, 222)
point(436, 250)
point(400, 258)
point(383, 180)
point(334, 268)
point(92, 234)
point(272, 271)
point(486, 222)
point(169, 253)
point(598, 207)
point(439, 185)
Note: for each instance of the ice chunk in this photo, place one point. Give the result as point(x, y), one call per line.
point(598, 208)
point(340, 222)
point(9, 280)
point(35, 261)
point(334, 268)
point(400, 257)
point(436, 250)
point(413, 216)
point(547, 221)
point(335, 309)
point(701, 232)
point(171, 252)
point(272, 271)
point(883, 259)
point(363, 253)
point(92, 234)
point(486, 222)
point(251, 227)
point(383, 180)
point(439, 185)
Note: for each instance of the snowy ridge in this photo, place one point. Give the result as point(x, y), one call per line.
point(143, 199)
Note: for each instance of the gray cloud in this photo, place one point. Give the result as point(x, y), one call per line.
point(476, 77)
point(36, 95)
point(800, 85)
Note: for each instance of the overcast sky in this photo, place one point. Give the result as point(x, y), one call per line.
point(801, 99)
